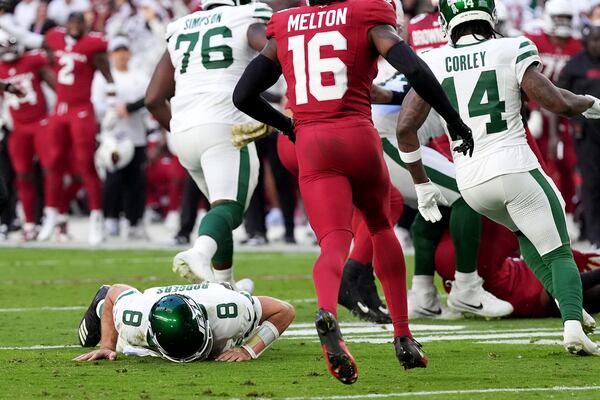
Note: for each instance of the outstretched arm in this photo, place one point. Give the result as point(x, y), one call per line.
point(160, 90)
point(277, 315)
point(414, 113)
point(559, 101)
point(423, 81)
point(109, 334)
point(261, 74)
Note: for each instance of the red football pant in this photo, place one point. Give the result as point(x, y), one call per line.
point(26, 141)
point(73, 128)
point(362, 251)
point(341, 166)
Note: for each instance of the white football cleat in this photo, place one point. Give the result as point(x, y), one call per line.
point(193, 266)
point(48, 225)
point(588, 323)
point(96, 234)
point(426, 304)
point(245, 285)
point(472, 298)
point(576, 341)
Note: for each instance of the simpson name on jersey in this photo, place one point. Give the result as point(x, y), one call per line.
point(209, 50)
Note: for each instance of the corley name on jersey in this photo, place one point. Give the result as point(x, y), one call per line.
point(465, 62)
point(317, 20)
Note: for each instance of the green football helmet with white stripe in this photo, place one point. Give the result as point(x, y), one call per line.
point(179, 329)
point(456, 12)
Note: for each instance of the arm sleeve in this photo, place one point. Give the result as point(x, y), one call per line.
point(260, 74)
point(526, 55)
point(135, 106)
point(422, 80)
point(27, 38)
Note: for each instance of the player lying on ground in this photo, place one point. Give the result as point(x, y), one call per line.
point(329, 65)
point(182, 323)
point(484, 77)
point(508, 277)
point(190, 96)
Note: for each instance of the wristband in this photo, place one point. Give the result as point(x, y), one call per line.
point(411, 157)
point(266, 333)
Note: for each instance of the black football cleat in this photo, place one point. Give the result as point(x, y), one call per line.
point(368, 292)
point(350, 298)
point(89, 327)
point(409, 352)
point(340, 362)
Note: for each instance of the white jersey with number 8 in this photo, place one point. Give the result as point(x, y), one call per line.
point(483, 81)
point(232, 315)
point(210, 51)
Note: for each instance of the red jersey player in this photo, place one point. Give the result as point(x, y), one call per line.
point(425, 32)
point(29, 115)
point(75, 55)
point(556, 46)
point(328, 54)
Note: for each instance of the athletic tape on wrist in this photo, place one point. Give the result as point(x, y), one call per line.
point(266, 333)
point(411, 157)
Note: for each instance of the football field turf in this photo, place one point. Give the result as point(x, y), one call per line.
point(43, 294)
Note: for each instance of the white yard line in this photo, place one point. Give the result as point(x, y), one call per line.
point(450, 392)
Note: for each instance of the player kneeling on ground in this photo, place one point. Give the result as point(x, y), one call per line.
point(182, 323)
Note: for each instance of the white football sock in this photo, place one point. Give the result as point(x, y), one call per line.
point(224, 275)
point(206, 245)
point(422, 283)
point(463, 278)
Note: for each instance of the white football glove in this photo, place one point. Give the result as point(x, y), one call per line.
point(594, 111)
point(428, 198)
point(536, 124)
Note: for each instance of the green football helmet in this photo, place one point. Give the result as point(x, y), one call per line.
point(455, 12)
point(179, 328)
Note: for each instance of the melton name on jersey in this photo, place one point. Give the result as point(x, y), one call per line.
point(209, 50)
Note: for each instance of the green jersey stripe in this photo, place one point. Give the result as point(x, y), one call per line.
point(525, 44)
point(263, 10)
point(526, 55)
point(263, 18)
point(436, 176)
point(558, 212)
point(243, 176)
point(125, 293)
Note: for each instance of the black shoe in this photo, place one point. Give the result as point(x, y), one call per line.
point(368, 292)
point(340, 362)
point(350, 298)
point(409, 352)
point(289, 240)
point(89, 327)
point(180, 240)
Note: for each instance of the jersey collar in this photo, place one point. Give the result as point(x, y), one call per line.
point(467, 40)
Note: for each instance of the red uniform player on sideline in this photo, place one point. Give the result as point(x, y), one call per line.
point(29, 115)
point(328, 53)
point(75, 55)
point(425, 32)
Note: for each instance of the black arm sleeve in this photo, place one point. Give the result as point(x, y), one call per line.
point(136, 105)
point(260, 74)
point(401, 57)
point(398, 97)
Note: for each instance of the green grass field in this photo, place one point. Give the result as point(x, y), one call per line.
point(43, 294)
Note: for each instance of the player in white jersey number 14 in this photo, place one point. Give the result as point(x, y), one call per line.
point(484, 78)
point(190, 95)
point(182, 323)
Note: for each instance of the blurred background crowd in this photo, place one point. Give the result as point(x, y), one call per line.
point(149, 187)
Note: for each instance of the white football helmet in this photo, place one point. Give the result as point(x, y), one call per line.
point(207, 4)
point(558, 18)
point(10, 49)
point(114, 153)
